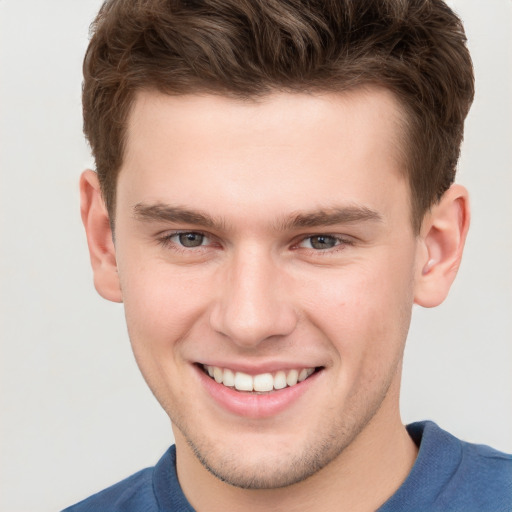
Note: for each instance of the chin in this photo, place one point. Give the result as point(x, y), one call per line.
point(270, 463)
point(272, 472)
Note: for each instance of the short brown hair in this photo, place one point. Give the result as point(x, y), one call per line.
point(248, 48)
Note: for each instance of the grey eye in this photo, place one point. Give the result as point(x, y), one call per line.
point(322, 242)
point(191, 239)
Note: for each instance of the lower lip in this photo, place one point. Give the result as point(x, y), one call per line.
point(253, 405)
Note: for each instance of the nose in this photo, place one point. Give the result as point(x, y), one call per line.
point(253, 304)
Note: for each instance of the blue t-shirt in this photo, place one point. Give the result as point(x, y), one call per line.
point(448, 475)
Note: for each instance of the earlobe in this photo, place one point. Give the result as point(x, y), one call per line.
point(99, 238)
point(443, 235)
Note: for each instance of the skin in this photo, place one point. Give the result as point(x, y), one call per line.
point(258, 293)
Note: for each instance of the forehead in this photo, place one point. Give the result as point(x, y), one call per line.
point(366, 109)
point(284, 149)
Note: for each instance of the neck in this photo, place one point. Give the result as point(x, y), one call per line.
point(360, 479)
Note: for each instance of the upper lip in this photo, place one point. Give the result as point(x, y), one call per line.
point(259, 368)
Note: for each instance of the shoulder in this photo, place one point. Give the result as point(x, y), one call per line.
point(143, 491)
point(133, 493)
point(439, 446)
point(485, 477)
point(453, 475)
point(469, 476)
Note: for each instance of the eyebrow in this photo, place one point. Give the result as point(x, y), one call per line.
point(176, 214)
point(308, 219)
point(330, 217)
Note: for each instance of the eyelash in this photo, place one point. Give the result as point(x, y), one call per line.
point(341, 242)
point(166, 241)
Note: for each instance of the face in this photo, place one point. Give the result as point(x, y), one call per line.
point(267, 266)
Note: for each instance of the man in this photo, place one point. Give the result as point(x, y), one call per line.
point(274, 191)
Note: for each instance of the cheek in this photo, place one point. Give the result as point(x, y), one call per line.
point(161, 305)
point(161, 309)
point(365, 311)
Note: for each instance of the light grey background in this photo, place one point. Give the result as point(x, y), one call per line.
point(75, 413)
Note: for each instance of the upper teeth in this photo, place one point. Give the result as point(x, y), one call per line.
point(261, 382)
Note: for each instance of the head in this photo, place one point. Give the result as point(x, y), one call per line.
point(279, 175)
point(248, 49)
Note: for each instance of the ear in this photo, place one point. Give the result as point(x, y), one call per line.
point(99, 238)
point(442, 238)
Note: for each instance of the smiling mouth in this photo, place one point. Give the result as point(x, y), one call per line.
point(260, 383)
